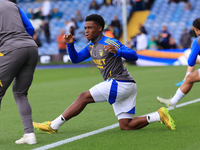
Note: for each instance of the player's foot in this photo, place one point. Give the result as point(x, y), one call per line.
point(179, 84)
point(166, 119)
point(45, 126)
point(166, 102)
point(27, 139)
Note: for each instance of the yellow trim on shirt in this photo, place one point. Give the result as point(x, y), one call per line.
point(1, 84)
point(110, 73)
point(112, 43)
point(1, 54)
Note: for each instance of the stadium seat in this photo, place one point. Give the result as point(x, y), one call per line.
point(173, 15)
point(161, 14)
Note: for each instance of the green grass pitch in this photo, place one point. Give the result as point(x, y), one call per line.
point(53, 90)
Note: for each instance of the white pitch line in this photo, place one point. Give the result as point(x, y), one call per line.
point(99, 130)
point(77, 137)
point(186, 103)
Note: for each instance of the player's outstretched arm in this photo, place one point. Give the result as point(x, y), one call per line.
point(127, 53)
point(120, 50)
point(123, 51)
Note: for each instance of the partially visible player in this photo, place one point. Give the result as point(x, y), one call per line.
point(119, 87)
point(192, 77)
point(189, 68)
point(18, 59)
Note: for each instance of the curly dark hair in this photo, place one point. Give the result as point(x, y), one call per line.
point(196, 23)
point(96, 18)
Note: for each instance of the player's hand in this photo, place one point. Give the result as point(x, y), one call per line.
point(69, 38)
point(110, 48)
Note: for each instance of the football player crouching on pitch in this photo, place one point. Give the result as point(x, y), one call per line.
point(118, 88)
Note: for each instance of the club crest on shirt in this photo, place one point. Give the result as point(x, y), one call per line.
point(101, 52)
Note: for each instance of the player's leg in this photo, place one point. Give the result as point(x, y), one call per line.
point(161, 115)
point(124, 108)
point(8, 71)
point(185, 87)
point(133, 124)
point(193, 77)
point(28, 57)
point(183, 90)
point(91, 96)
point(189, 71)
point(78, 105)
point(22, 83)
point(73, 110)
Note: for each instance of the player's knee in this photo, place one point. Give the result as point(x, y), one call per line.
point(19, 94)
point(189, 78)
point(82, 95)
point(123, 127)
